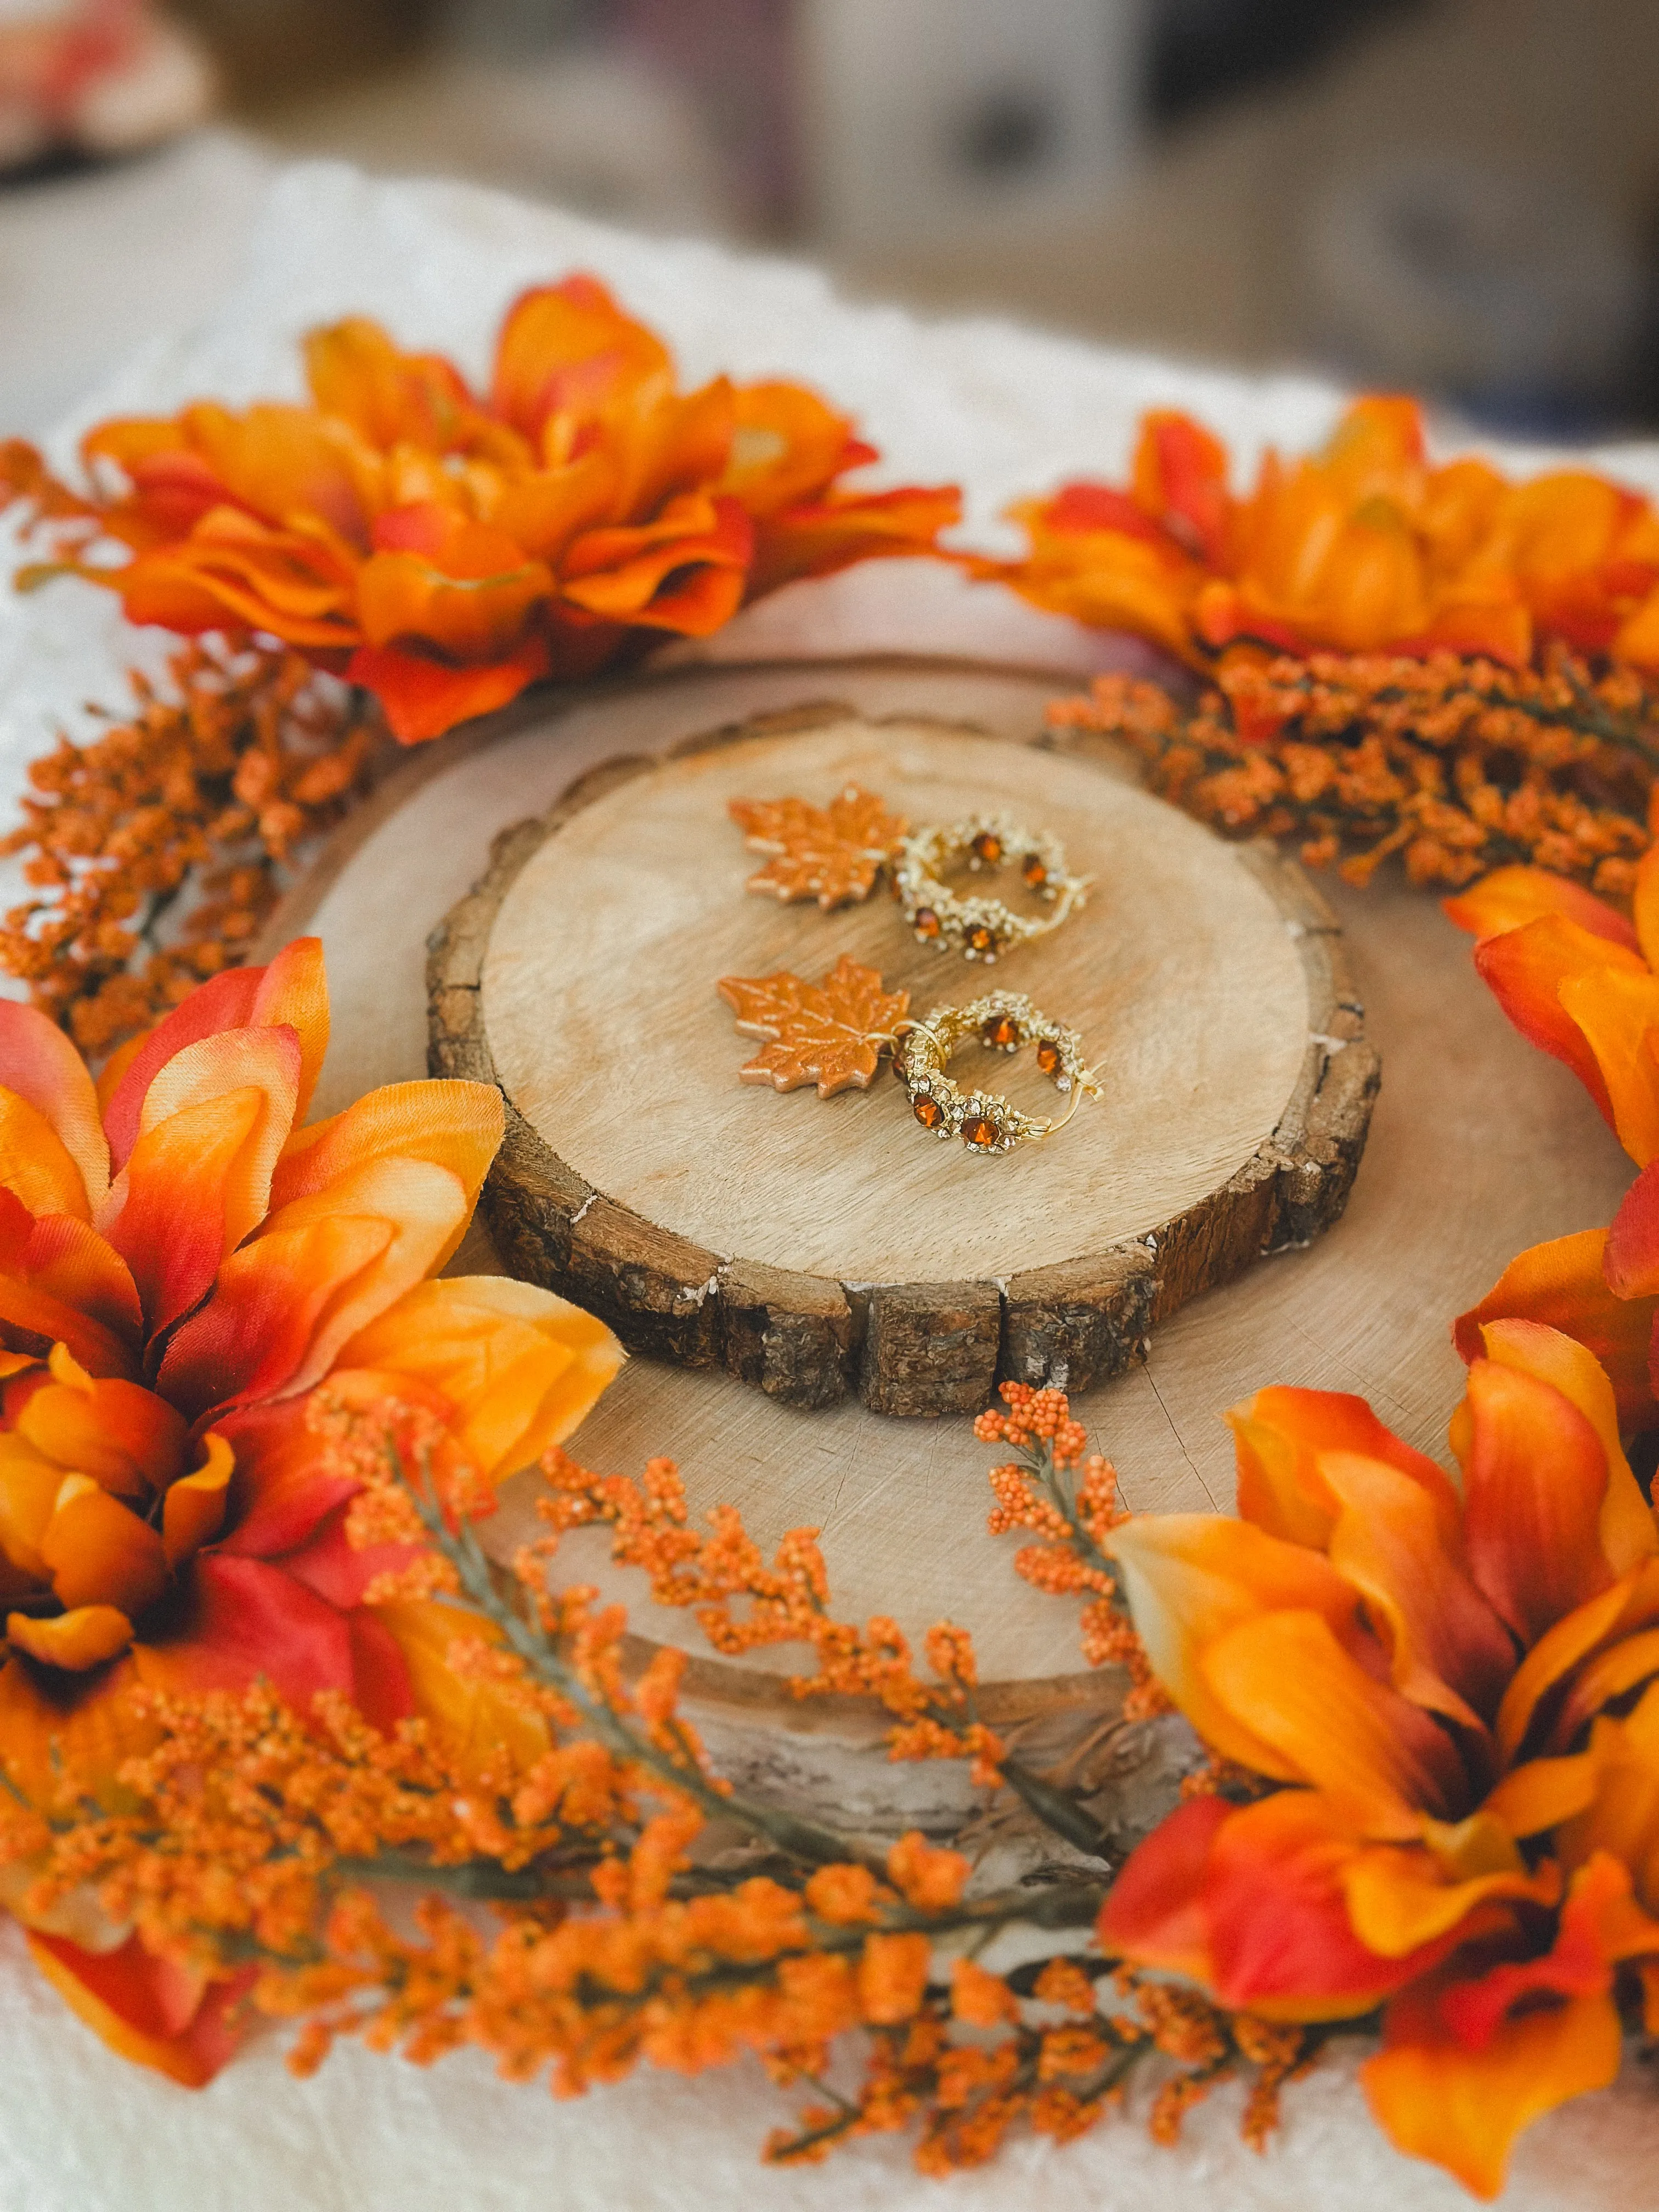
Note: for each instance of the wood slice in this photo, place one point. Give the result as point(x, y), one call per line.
point(1479, 1146)
point(813, 1247)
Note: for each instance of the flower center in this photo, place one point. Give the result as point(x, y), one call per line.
point(103, 1499)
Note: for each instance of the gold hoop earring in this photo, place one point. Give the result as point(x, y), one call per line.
point(986, 1122)
point(978, 927)
point(832, 1034)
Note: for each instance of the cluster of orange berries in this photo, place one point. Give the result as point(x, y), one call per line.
point(1458, 766)
point(1059, 2078)
point(1045, 1415)
point(1072, 1524)
point(206, 788)
point(785, 1601)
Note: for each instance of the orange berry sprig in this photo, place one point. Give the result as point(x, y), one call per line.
point(1068, 1497)
point(246, 1834)
point(156, 850)
point(1058, 2077)
point(786, 1601)
point(566, 1659)
point(1456, 766)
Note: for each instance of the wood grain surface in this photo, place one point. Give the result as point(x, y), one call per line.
point(1479, 1146)
point(813, 1245)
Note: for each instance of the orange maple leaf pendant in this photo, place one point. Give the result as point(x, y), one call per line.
point(832, 853)
point(831, 1033)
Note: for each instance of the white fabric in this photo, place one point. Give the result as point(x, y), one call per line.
point(1005, 411)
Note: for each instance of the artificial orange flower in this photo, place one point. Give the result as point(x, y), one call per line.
point(182, 1263)
point(1363, 548)
point(1448, 1697)
point(445, 549)
point(1578, 980)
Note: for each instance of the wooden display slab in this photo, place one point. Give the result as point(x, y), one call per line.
point(811, 1248)
point(1479, 1146)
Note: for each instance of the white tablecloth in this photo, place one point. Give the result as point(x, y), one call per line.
point(1004, 412)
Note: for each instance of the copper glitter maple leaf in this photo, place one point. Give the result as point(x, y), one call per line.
point(831, 1033)
point(832, 853)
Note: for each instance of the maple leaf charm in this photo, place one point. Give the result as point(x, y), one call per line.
point(831, 1033)
point(832, 853)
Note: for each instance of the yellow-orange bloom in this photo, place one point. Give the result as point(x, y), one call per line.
point(181, 1264)
point(1450, 1696)
point(1363, 548)
point(445, 549)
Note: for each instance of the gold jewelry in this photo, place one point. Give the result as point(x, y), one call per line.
point(984, 1120)
point(981, 928)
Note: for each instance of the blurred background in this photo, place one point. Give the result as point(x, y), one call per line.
point(1457, 195)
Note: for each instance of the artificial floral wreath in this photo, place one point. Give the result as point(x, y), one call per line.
point(260, 1673)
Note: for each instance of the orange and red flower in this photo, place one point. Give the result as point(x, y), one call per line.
point(182, 1264)
point(444, 549)
point(1363, 548)
point(1449, 1699)
point(1578, 980)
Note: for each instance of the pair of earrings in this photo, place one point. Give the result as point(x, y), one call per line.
point(834, 854)
point(833, 1033)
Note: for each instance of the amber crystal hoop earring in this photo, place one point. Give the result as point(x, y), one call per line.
point(984, 1120)
point(977, 927)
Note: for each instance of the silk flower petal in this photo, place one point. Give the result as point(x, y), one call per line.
point(271, 1303)
point(1331, 1723)
point(291, 993)
point(521, 1368)
point(211, 1127)
point(428, 1207)
point(39, 1064)
point(1626, 1526)
point(1189, 1579)
point(1563, 1285)
point(455, 1125)
point(1535, 1485)
point(1449, 1651)
point(1525, 969)
point(1280, 1436)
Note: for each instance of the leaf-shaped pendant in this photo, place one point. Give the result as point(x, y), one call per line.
point(831, 1033)
point(832, 853)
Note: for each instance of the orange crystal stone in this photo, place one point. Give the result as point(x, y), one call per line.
point(986, 846)
point(982, 940)
point(926, 922)
point(1034, 873)
point(927, 1110)
point(1049, 1057)
point(1001, 1032)
point(981, 1133)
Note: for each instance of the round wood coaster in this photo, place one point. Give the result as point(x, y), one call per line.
point(813, 1246)
point(1480, 1147)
